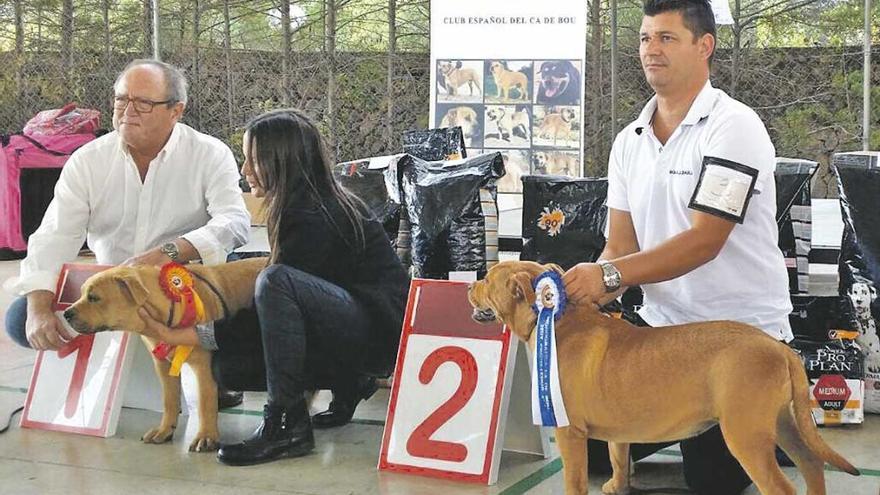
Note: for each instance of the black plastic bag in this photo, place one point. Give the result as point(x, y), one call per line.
point(858, 182)
point(794, 219)
point(443, 205)
point(821, 318)
point(435, 144)
point(563, 219)
point(373, 181)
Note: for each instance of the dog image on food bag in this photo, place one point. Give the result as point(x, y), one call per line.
point(110, 301)
point(611, 372)
point(862, 296)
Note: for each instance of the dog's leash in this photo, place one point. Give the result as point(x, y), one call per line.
point(215, 291)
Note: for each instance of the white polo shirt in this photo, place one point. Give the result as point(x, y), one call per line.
point(655, 183)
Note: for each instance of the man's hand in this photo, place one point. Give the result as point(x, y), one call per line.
point(151, 257)
point(173, 336)
point(44, 331)
point(584, 285)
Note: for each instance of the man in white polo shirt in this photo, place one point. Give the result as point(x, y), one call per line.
point(691, 212)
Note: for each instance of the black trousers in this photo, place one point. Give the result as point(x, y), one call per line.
point(709, 467)
point(304, 333)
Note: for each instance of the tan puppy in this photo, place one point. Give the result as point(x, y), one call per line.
point(555, 162)
point(626, 384)
point(456, 77)
point(464, 117)
point(110, 301)
point(557, 125)
point(505, 80)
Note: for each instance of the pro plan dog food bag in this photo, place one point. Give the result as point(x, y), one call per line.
point(794, 219)
point(836, 386)
point(445, 208)
point(858, 182)
point(373, 181)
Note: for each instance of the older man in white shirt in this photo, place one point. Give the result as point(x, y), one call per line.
point(153, 191)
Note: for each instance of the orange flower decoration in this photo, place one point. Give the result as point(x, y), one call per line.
point(551, 221)
point(176, 281)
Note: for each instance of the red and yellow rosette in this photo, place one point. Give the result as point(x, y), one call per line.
point(177, 284)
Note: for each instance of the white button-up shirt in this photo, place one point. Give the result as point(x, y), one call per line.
point(191, 190)
point(747, 281)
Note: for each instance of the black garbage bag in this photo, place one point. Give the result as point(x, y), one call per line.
point(794, 219)
point(858, 183)
point(821, 318)
point(435, 144)
point(443, 205)
point(563, 219)
point(373, 181)
point(563, 222)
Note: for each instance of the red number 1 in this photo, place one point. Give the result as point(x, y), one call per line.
point(82, 346)
point(420, 443)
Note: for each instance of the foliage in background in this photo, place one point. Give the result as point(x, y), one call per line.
point(366, 79)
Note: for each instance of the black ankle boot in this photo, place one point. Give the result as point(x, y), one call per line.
point(344, 403)
point(283, 433)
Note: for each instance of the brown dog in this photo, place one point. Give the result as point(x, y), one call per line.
point(456, 76)
point(626, 384)
point(557, 125)
point(110, 301)
point(505, 80)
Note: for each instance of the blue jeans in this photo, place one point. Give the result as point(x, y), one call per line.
point(303, 333)
point(16, 317)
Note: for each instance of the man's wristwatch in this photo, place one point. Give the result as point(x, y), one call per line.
point(170, 249)
point(610, 275)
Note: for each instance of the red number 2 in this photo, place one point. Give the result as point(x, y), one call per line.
point(420, 443)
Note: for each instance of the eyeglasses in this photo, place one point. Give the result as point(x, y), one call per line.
point(141, 105)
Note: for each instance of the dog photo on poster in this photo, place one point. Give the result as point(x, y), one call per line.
point(521, 96)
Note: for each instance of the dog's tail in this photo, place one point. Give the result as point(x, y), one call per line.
point(800, 397)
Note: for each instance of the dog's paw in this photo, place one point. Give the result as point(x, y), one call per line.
point(159, 434)
point(205, 442)
point(612, 488)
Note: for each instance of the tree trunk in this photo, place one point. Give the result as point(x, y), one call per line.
point(389, 91)
point(19, 54)
point(737, 48)
point(67, 48)
point(593, 94)
point(105, 15)
point(285, 52)
point(330, 51)
point(227, 48)
point(148, 28)
point(194, 79)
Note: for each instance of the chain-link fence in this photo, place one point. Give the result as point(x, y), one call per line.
point(797, 62)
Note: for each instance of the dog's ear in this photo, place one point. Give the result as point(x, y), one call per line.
point(131, 285)
point(458, 64)
point(522, 286)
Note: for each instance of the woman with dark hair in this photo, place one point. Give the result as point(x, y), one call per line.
point(328, 307)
